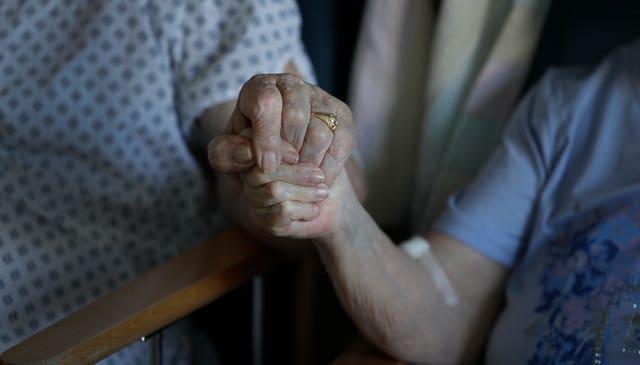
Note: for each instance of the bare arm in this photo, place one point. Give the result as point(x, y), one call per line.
point(390, 296)
point(393, 301)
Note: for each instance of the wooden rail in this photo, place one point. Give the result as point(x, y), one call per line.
point(148, 303)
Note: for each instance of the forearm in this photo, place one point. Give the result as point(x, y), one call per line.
point(377, 285)
point(212, 122)
point(393, 302)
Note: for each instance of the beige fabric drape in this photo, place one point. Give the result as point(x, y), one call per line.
point(430, 94)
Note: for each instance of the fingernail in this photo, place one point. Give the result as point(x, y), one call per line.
point(315, 177)
point(291, 157)
point(242, 154)
point(322, 192)
point(269, 161)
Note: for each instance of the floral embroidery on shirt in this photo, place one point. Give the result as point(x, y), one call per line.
point(586, 311)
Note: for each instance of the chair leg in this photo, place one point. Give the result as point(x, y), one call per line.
point(305, 308)
point(155, 347)
point(257, 320)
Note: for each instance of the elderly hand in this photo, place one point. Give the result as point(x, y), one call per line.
point(278, 107)
point(290, 202)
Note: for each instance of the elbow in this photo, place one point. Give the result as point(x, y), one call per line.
point(423, 347)
point(409, 350)
point(400, 340)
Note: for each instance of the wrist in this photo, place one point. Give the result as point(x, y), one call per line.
point(346, 223)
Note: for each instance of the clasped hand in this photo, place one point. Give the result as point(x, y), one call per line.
point(290, 164)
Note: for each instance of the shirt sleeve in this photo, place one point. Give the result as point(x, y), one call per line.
point(493, 214)
point(215, 46)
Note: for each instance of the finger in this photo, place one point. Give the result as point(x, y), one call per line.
point(289, 153)
point(229, 153)
point(316, 142)
point(339, 151)
point(237, 122)
point(261, 103)
point(276, 218)
point(343, 141)
point(278, 192)
point(303, 174)
point(295, 108)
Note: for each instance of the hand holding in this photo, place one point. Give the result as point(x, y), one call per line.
point(279, 107)
point(291, 202)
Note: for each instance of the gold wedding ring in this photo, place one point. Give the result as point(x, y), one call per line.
point(329, 120)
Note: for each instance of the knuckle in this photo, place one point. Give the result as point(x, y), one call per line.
point(319, 136)
point(286, 208)
point(258, 79)
point(260, 179)
point(260, 105)
point(266, 100)
point(290, 80)
point(267, 191)
point(297, 79)
point(273, 191)
point(293, 114)
point(255, 177)
point(277, 231)
point(273, 219)
point(340, 151)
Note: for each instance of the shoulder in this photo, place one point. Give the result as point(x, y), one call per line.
point(563, 85)
point(569, 89)
point(568, 101)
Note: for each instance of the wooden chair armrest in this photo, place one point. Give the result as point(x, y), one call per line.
point(148, 303)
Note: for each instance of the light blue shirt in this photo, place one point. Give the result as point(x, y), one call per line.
point(559, 202)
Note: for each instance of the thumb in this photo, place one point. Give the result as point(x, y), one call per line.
point(229, 153)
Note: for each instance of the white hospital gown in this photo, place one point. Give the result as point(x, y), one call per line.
point(97, 183)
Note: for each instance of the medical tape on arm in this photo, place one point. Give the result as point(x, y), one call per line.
point(418, 248)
